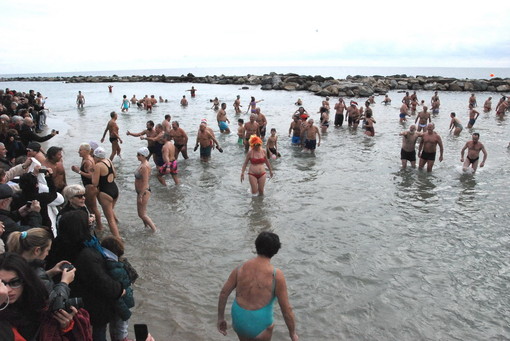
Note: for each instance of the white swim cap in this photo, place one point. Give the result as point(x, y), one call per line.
point(100, 153)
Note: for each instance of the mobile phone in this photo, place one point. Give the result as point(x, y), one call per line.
point(43, 171)
point(29, 203)
point(141, 332)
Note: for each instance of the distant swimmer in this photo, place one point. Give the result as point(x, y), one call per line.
point(386, 100)
point(428, 146)
point(435, 106)
point(253, 105)
point(325, 103)
point(474, 147)
point(407, 99)
point(113, 129)
point(455, 124)
point(124, 107)
point(237, 105)
point(184, 101)
point(487, 106)
point(222, 119)
point(193, 91)
point(339, 112)
point(216, 104)
point(80, 100)
point(408, 150)
point(299, 102)
point(473, 116)
point(110, 88)
point(134, 100)
point(324, 119)
point(472, 101)
point(434, 98)
point(369, 124)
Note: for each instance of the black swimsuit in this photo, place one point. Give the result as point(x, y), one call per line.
point(106, 187)
point(86, 181)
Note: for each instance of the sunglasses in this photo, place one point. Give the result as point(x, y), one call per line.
point(13, 283)
point(80, 196)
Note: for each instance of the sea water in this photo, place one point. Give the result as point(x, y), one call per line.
point(370, 252)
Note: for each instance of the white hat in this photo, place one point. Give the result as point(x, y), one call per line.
point(93, 145)
point(143, 151)
point(100, 153)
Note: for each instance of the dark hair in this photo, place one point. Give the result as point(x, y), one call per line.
point(267, 244)
point(151, 123)
point(453, 114)
point(113, 244)
point(477, 134)
point(240, 120)
point(34, 298)
point(28, 184)
point(52, 152)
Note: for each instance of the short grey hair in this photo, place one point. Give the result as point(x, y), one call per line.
point(72, 190)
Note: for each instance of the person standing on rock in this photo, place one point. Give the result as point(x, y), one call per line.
point(339, 112)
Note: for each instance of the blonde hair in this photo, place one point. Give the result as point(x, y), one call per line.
point(19, 242)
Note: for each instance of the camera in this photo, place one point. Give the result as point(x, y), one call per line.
point(43, 171)
point(60, 302)
point(29, 203)
point(65, 266)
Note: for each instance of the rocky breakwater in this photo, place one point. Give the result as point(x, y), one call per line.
point(351, 86)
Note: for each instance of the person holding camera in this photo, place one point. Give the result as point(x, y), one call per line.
point(27, 133)
point(27, 313)
point(29, 185)
point(77, 244)
point(28, 215)
point(34, 245)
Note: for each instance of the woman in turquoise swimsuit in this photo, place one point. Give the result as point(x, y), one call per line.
point(258, 284)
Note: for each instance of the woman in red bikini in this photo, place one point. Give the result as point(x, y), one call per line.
point(256, 156)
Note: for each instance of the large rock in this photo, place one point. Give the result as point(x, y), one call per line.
point(266, 87)
point(276, 81)
point(365, 91)
point(314, 88)
point(454, 87)
point(503, 88)
point(290, 86)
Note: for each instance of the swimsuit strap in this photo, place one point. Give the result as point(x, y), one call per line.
point(274, 282)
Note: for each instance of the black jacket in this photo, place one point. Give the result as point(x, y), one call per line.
point(28, 135)
point(9, 219)
point(93, 283)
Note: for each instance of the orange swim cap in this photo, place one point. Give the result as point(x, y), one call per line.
point(254, 140)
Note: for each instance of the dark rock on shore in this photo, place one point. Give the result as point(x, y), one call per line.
point(351, 86)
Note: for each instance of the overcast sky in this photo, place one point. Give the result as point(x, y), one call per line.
point(92, 35)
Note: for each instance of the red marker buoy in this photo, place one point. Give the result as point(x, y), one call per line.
point(492, 75)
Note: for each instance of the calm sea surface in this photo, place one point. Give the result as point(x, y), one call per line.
point(370, 252)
